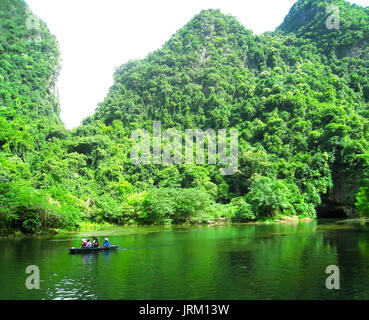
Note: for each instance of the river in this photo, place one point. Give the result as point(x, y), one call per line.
point(258, 261)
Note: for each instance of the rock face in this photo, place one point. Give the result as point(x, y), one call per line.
point(338, 202)
point(308, 18)
point(330, 209)
point(29, 65)
point(299, 109)
point(300, 15)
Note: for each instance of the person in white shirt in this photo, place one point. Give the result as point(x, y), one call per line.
point(88, 245)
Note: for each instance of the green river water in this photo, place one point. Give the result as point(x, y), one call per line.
point(263, 261)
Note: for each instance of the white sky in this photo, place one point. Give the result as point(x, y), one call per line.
point(96, 36)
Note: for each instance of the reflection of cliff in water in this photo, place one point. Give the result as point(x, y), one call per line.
point(345, 238)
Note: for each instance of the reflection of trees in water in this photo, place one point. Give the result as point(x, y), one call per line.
point(352, 249)
point(84, 278)
point(280, 261)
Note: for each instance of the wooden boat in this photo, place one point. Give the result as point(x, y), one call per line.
point(87, 250)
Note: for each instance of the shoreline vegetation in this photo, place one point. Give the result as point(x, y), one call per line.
point(298, 98)
point(95, 227)
point(161, 206)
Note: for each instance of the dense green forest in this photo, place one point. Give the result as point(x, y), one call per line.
point(298, 97)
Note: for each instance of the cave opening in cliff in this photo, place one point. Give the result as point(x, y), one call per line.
point(330, 211)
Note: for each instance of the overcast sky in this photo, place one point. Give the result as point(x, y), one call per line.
point(97, 36)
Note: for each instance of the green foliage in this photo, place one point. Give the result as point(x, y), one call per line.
point(362, 201)
point(298, 97)
point(166, 205)
point(301, 120)
point(29, 210)
point(270, 197)
point(243, 210)
point(29, 65)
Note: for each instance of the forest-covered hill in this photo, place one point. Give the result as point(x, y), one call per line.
point(297, 96)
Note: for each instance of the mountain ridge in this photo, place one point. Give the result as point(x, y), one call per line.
point(298, 101)
point(262, 65)
point(307, 18)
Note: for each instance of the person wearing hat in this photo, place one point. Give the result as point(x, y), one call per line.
point(84, 243)
point(106, 243)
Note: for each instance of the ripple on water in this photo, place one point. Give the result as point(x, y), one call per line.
point(70, 289)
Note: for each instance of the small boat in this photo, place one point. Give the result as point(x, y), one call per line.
point(87, 250)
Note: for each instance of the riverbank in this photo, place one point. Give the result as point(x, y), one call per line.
point(88, 226)
point(85, 226)
point(287, 219)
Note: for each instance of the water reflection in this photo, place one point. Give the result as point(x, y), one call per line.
point(90, 258)
point(93, 257)
point(228, 262)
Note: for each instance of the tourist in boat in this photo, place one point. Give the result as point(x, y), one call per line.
point(84, 243)
point(106, 243)
point(95, 243)
point(89, 244)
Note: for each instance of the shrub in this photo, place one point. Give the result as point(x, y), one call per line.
point(29, 210)
point(270, 197)
point(242, 210)
point(362, 202)
point(175, 205)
